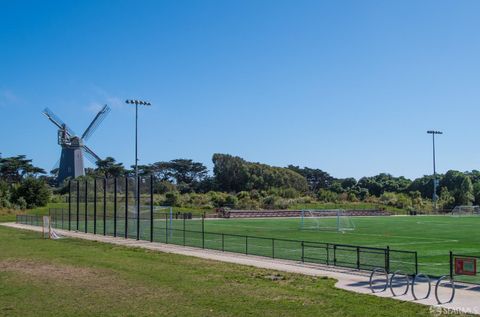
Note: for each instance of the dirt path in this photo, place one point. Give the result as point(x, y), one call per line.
point(467, 298)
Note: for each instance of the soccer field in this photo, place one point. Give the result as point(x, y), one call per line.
point(432, 237)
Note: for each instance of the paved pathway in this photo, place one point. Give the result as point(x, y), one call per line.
point(467, 297)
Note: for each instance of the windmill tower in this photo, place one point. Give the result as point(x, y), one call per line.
point(73, 146)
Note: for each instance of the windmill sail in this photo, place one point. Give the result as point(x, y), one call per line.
point(73, 147)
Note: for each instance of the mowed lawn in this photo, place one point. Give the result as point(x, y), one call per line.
point(431, 236)
point(71, 277)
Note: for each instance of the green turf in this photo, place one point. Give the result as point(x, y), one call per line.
point(431, 236)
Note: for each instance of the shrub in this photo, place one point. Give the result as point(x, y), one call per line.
point(248, 204)
point(21, 203)
point(35, 193)
point(327, 196)
point(172, 199)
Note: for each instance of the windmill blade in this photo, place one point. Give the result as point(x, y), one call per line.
point(95, 123)
point(90, 155)
point(57, 121)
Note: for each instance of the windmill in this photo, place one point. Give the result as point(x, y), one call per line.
point(73, 146)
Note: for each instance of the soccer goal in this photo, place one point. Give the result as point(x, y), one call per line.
point(333, 219)
point(466, 211)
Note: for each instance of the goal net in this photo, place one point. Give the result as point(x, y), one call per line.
point(333, 220)
point(466, 211)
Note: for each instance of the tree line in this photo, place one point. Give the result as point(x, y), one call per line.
point(240, 183)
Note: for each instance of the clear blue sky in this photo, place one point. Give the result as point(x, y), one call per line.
point(346, 86)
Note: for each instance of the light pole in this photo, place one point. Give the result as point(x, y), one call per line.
point(435, 182)
point(137, 189)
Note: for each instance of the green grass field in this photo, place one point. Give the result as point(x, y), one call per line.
point(431, 236)
point(70, 277)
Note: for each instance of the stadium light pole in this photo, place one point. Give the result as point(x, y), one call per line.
point(137, 189)
point(435, 182)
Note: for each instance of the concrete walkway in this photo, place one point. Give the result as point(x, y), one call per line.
point(467, 297)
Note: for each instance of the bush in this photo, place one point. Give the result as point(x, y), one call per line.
point(21, 203)
point(35, 193)
point(275, 202)
point(327, 196)
point(219, 199)
point(172, 199)
point(246, 203)
point(4, 195)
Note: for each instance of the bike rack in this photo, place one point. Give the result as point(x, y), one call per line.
point(420, 275)
point(383, 272)
point(437, 285)
point(396, 273)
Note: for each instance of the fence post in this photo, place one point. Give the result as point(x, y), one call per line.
point(151, 208)
point(184, 229)
point(115, 207)
point(328, 254)
point(246, 245)
point(273, 248)
point(358, 258)
point(94, 206)
point(303, 252)
point(126, 207)
point(104, 206)
point(203, 231)
point(62, 219)
point(335, 255)
point(387, 259)
point(78, 203)
point(223, 242)
point(416, 263)
point(451, 265)
point(86, 206)
point(138, 207)
point(166, 227)
point(69, 205)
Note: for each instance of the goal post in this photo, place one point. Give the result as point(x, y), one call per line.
point(459, 211)
point(328, 220)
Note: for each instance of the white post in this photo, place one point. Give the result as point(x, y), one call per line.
point(338, 219)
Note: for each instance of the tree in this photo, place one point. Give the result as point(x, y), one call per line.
point(476, 193)
point(14, 169)
point(234, 174)
point(110, 168)
point(230, 172)
point(186, 174)
point(187, 171)
point(465, 194)
point(316, 178)
point(424, 185)
point(348, 183)
point(460, 186)
point(383, 182)
point(446, 200)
